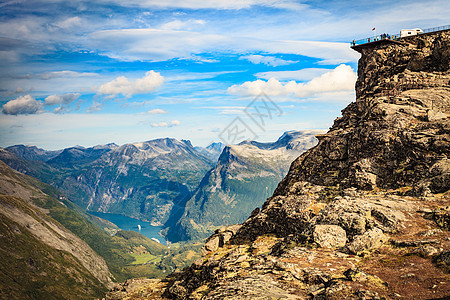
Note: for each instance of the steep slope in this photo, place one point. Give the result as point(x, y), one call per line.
point(40, 257)
point(245, 175)
point(364, 214)
point(50, 239)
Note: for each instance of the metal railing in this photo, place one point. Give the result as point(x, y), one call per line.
point(376, 38)
point(440, 28)
point(395, 37)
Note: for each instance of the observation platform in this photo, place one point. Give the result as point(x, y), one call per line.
point(370, 44)
point(385, 38)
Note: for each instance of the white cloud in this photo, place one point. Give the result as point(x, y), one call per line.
point(23, 105)
point(228, 110)
point(121, 85)
point(182, 25)
point(65, 74)
point(212, 4)
point(341, 79)
point(69, 22)
point(298, 75)
point(153, 44)
point(166, 124)
point(160, 45)
point(94, 107)
point(62, 99)
point(267, 60)
point(156, 111)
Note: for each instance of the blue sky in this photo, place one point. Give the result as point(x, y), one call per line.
point(123, 71)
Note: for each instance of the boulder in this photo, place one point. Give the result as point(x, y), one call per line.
point(371, 239)
point(329, 236)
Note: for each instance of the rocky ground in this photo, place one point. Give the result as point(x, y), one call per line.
point(371, 245)
point(363, 215)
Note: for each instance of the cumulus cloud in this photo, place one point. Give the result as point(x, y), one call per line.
point(342, 78)
point(122, 85)
point(267, 60)
point(62, 99)
point(156, 111)
point(166, 124)
point(24, 105)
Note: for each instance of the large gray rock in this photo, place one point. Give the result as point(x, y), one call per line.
point(372, 239)
point(330, 236)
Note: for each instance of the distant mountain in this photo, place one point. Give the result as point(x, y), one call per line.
point(245, 175)
point(212, 151)
point(34, 168)
point(153, 180)
point(150, 180)
point(33, 152)
point(76, 156)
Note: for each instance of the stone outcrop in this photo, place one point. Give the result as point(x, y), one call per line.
point(363, 212)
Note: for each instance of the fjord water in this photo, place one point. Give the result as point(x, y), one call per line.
point(127, 223)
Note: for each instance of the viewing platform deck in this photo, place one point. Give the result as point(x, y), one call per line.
point(385, 38)
point(371, 42)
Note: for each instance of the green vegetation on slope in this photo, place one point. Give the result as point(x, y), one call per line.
point(30, 269)
point(122, 251)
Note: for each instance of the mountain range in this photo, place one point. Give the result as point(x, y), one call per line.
point(162, 180)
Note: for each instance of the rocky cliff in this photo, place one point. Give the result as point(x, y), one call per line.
point(364, 214)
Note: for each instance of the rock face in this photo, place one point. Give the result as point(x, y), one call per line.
point(389, 141)
point(364, 214)
point(243, 178)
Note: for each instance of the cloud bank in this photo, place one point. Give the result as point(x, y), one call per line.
point(160, 45)
point(342, 78)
